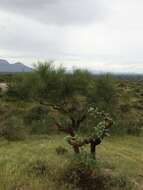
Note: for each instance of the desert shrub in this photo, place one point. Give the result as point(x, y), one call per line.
point(38, 120)
point(22, 86)
point(121, 182)
point(40, 127)
point(61, 150)
point(127, 127)
point(134, 130)
point(104, 93)
point(38, 168)
point(13, 129)
point(85, 174)
point(119, 128)
point(36, 113)
point(133, 126)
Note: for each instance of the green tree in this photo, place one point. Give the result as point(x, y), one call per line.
point(72, 99)
point(75, 114)
point(104, 93)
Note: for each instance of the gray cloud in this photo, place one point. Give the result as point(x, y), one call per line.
point(96, 34)
point(61, 12)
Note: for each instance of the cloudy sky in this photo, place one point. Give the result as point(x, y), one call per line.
point(95, 34)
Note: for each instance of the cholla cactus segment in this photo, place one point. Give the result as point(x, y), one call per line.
point(100, 129)
point(97, 134)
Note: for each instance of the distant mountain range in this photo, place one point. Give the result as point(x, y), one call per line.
point(6, 67)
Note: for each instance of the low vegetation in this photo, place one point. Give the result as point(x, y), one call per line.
point(45, 109)
point(35, 164)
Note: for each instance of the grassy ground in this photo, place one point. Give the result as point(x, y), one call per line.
point(121, 155)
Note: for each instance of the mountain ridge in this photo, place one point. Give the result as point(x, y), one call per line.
point(18, 67)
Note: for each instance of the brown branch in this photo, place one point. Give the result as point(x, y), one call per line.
point(79, 121)
point(68, 130)
point(75, 142)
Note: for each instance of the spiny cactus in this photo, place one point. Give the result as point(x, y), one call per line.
point(96, 136)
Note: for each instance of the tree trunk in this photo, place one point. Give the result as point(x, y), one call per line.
point(93, 145)
point(76, 149)
point(93, 149)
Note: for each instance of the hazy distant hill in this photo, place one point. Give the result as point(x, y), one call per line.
point(6, 67)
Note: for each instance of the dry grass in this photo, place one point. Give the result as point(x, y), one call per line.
point(121, 155)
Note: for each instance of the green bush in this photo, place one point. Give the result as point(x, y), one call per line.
point(13, 129)
point(127, 127)
point(85, 174)
point(119, 128)
point(106, 89)
point(38, 120)
point(36, 113)
point(134, 130)
point(121, 182)
point(40, 127)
